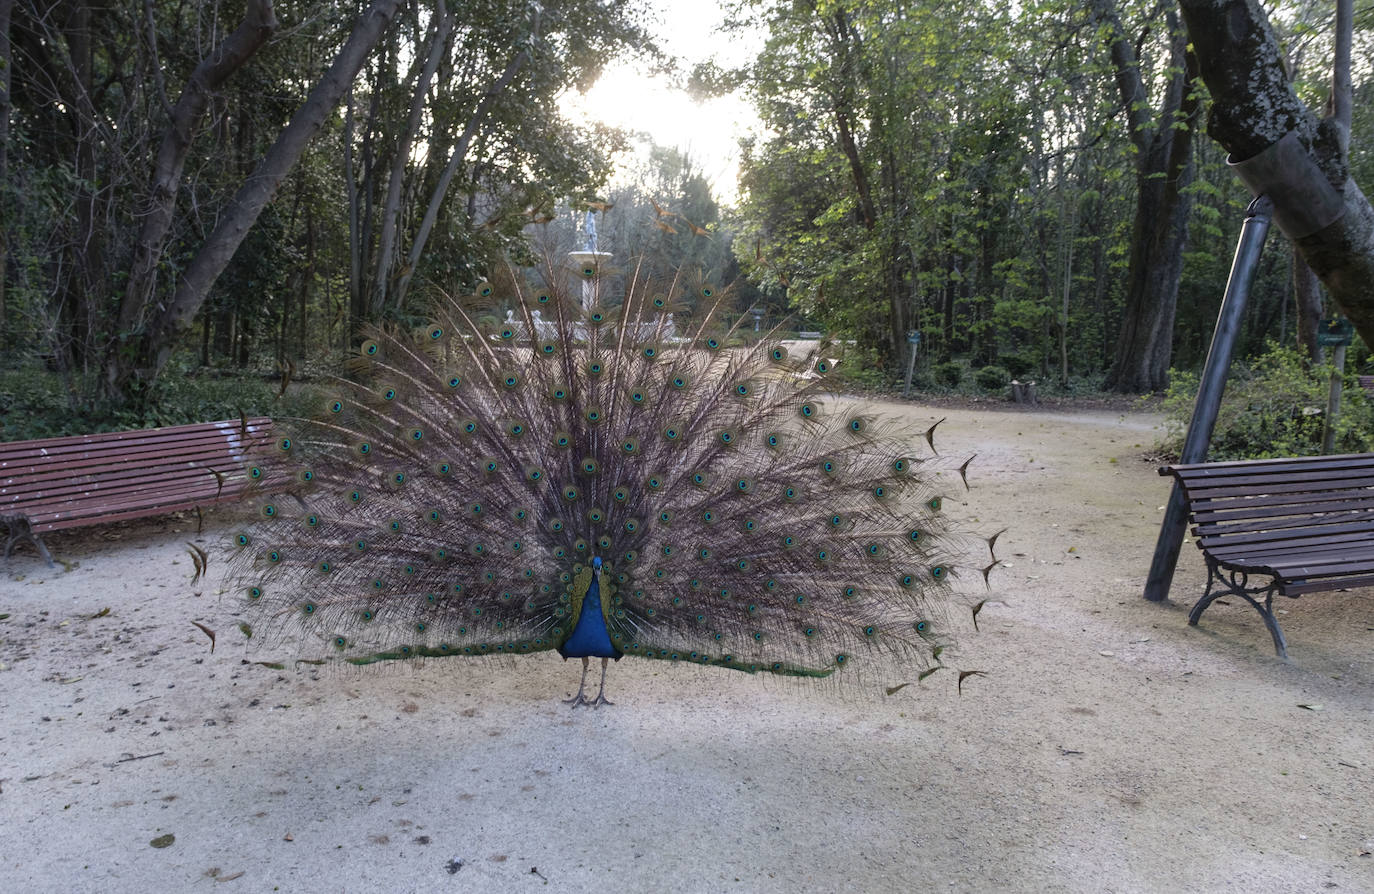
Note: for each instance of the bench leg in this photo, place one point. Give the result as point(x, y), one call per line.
point(20, 532)
point(1226, 582)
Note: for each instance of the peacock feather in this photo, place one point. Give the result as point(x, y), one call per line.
point(542, 468)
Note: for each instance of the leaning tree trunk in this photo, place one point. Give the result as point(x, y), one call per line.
point(1253, 107)
point(227, 57)
point(209, 262)
point(387, 250)
point(1164, 168)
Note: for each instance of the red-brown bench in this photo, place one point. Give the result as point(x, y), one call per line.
point(56, 483)
point(1306, 523)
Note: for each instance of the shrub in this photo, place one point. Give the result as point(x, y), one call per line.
point(992, 378)
point(949, 374)
point(1020, 364)
point(35, 403)
point(1272, 407)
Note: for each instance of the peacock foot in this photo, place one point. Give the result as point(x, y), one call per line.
point(585, 702)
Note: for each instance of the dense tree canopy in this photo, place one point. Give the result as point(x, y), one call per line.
point(1028, 187)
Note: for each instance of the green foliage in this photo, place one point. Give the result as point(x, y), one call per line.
point(1273, 407)
point(35, 403)
point(992, 378)
point(948, 374)
point(859, 368)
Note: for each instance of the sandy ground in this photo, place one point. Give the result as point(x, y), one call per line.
point(1110, 748)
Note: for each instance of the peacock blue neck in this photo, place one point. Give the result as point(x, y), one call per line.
point(590, 638)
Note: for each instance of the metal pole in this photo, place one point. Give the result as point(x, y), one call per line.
point(1248, 249)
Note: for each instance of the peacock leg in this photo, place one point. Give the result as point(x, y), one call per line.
point(579, 699)
point(601, 696)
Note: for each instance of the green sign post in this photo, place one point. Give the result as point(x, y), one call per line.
point(1335, 332)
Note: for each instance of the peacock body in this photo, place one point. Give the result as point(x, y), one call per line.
point(541, 470)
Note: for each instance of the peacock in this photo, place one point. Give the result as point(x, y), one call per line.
point(603, 463)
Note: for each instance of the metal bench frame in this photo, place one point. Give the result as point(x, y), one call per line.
point(55, 483)
point(1306, 523)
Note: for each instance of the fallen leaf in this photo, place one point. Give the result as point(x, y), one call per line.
point(163, 840)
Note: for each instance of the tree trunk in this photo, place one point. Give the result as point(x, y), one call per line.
point(460, 151)
point(1159, 232)
point(252, 197)
point(1254, 106)
point(1307, 296)
point(257, 26)
point(6, 68)
point(391, 207)
point(355, 249)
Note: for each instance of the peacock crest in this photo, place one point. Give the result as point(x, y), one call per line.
point(540, 467)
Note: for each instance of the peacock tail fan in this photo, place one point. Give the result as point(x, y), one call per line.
point(457, 485)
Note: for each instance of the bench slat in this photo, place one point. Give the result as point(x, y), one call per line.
point(1297, 588)
point(116, 437)
point(1271, 487)
point(84, 457)
point(1278, 535)
point(1347, 550)
point(132, 491)
point(1260, 466)
point(115, 471)
point(1292, 525)
point(1215, 511)
point(1249, 477)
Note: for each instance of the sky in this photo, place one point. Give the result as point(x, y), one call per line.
point(626, 96)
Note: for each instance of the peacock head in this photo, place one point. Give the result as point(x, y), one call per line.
point(596, 565)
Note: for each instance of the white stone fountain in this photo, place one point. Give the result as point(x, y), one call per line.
point(589, 259)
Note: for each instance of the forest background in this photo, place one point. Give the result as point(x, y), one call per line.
point(200, 196)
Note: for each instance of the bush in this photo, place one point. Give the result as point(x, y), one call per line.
point(992, 378)
point(35, 403)
point(949, 374)
point(1020, 364)
point(1272, 408)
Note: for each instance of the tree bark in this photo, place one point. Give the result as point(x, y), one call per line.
point(460, 151)
point(6, 69)
point(252, 197)
point(391, 207)
point(1308, 300)
point(1253, 107)
point(259, 22)
point(1159, 233)
point(842, 102)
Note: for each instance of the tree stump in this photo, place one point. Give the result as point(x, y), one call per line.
point(1023, 392)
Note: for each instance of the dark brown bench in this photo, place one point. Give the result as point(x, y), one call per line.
point(1366, 383)
point(1305, 523)
point(56, 483)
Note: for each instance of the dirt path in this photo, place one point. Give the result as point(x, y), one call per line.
point(1109, 748)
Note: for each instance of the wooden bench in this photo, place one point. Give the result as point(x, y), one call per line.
point(56, 483)
point(1305, 523)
